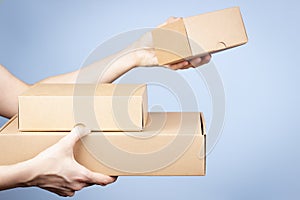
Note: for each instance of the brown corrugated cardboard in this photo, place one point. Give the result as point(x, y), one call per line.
point(198, 35)
point(171, 144)
point(103, 107)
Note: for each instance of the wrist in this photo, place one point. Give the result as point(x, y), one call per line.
point(27, 171)
point(128, 59)
point(144, 57)
point(16, 175)
point(134, 59)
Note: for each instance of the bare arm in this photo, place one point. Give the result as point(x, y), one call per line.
point(10, 87)
point(54, 169)
point(107, 69)
point(140, 53)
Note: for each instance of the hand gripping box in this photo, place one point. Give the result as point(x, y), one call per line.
point(172, 144)
point(194, 36)
point(102, 107)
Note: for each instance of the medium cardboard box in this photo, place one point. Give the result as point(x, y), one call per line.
point(198, 35)
point(102, 107)
point(172, 144)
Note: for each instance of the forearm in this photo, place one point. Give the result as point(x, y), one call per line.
point(54, 169)
point(103, 71)
point(16, 175)
point(10, 87)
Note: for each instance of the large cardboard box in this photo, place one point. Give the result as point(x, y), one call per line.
point(198, 35)
point(172, 144)
point(102, 107)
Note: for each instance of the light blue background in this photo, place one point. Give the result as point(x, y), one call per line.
point(257, 156)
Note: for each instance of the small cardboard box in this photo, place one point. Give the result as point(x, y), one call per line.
point(103, 107)
point(172, 144)
point(198, 35)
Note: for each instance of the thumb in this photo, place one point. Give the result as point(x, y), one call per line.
point(78, 132)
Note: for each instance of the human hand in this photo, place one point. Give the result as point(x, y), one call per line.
point(56, 170)
point(145, 53)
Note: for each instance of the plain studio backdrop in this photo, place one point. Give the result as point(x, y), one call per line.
point(257, 154)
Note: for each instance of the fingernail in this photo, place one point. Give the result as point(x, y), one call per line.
point(82, 128)
point(86, 130)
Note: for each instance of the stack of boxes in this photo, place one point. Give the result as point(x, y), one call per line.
point(125, 138)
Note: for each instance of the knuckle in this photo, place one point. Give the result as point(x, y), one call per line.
point(207, 58)
point(114, 179)
point(85, 175)
point(103, 184)
point(110, 180)
point(63, 194)
point(70, 194)
point(173, 68)
point(107, 181)
point(77, 187)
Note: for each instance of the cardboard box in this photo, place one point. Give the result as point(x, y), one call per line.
point(198, 35)
point(103, 107)
point(172, 144)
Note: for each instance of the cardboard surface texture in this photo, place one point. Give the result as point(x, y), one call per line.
point(171, 144)
point(103, 107)
point(194, 36)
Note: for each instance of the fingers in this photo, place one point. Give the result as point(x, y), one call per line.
point(64, 192)
point(68, 193)
point(179, 65)
point(205, 59)
point(169, 20)
point(90, 178)
point(101, 179)
point(172, 19)
point(78, 186)
point(76, 179)
point(195, 62)
point(94, 178)
point(84, 178)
